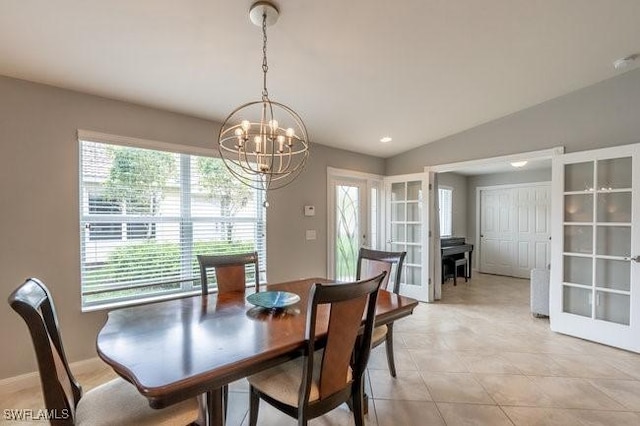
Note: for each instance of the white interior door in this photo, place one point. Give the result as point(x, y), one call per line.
point(407, 230)
point(595, 270)
point(515, 229)
point(496, 231)
point(533, 214)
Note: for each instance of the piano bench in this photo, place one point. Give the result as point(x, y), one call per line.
point(456, 266)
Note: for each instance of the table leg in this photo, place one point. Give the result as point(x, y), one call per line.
point(470, 257)
point(211, 411)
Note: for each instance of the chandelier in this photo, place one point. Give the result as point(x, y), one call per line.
point(264, 143)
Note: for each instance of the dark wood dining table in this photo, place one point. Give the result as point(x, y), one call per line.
point(193, 346)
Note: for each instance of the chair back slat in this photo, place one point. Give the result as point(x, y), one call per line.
point(230, 271)
point(346, 346)
point(344, 324)
point(230, 278)
point(33, 302)
point(395, 259)
point(371, 268)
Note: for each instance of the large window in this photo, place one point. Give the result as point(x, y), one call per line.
point(445, 202)
point(146, 214)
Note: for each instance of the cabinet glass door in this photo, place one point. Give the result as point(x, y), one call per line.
point(599, 270)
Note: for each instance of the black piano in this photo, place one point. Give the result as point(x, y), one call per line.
point(452, 249)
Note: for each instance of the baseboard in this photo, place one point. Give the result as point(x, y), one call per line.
point(32, 379)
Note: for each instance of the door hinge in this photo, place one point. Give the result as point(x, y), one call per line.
point(430, 187)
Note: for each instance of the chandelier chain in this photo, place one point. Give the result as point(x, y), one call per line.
point(265, 66)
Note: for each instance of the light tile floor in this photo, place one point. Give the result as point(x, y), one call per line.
point(477, 357)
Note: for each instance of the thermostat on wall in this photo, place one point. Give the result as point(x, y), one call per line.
point(309, 210)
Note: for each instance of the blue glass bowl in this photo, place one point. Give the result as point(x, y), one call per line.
point(273, 299)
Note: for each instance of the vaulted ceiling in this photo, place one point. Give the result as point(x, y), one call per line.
point(357, 70)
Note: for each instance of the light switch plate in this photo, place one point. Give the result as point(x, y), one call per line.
point(309, 210)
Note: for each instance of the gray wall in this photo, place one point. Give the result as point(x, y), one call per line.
point(605, 114)
point(459, 203)
point(39, 193)
point(511, 178)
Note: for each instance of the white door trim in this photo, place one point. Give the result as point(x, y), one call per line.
point(531, 155)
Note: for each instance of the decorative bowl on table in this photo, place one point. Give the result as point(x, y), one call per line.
point(273, 299)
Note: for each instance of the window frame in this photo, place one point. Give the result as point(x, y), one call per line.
point(440, 211)
point(188, 285)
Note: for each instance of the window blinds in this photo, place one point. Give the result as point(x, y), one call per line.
point(145, 215)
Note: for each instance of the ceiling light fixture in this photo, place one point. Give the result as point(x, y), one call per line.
point(625, 62)
point(264, 144)
point(518, 164)
point(386, 139)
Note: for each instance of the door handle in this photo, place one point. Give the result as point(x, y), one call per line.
point(632, 259)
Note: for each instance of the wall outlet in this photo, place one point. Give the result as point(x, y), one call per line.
point(311, 234)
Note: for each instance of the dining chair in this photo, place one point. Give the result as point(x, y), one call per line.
point(229, 271)
point(114, 403)
point(370, 263)
point(319, 381)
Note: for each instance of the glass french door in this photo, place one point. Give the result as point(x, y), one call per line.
point(407, 230)
point(595, 275)
point(354, 219)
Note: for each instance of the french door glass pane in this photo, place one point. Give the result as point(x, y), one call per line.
point(414, 190)
point(414, 254)
point(413, 212)
point(615, 274)
point(413, 233)
point(578, 270)
point(577, 301)
point(578, 239)
point(398, 191)
point(614, 173)
point(578, 208)
point(397, 212)
point(347, 231)
point(612, 307)
point(578, 177)
point(613, 240)
point(614, 207)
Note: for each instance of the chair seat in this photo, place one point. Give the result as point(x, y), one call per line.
point(379, 335)
point(118, 403)
point(283, 381)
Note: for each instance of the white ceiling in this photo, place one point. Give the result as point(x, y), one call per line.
point(356, 70)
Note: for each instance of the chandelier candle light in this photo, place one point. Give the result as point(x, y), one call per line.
point(264, 143)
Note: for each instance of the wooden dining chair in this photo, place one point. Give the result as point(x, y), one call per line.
point(371, 263)
point(319, 381)
point(229, 271)
point(114, 403)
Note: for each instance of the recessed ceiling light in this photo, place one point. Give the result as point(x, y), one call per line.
point(386, 139)
point(625, 62)
point(519, 164)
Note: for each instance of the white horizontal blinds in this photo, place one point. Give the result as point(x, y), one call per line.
point(146, 214)
point(446, 211)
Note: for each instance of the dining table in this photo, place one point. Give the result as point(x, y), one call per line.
point(194, 346)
